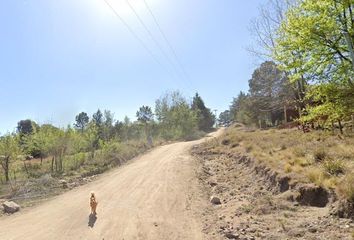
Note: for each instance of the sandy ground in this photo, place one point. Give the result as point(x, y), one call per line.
point(155, 196)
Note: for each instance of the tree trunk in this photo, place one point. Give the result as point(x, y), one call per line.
point(340, 127)
point(285, 115)
point(25, 166)
point(52, 163)
point(6, 168)
point(332, 127)
point(353, 123)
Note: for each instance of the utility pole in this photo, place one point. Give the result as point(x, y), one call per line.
point(216, 118)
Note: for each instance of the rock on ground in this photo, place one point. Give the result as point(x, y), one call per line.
point(10, 207)
point(215, 200)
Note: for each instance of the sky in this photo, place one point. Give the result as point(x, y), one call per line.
point(59, 58)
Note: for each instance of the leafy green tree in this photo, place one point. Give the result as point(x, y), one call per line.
point(92, 138)
point(330, 103)
point(270, 95)
point(175, 117)
point(236, 104)
point(144, 114)
point(82, 119)
point(225, 117)
point(25, 127)
point(316, 41)
point(108, 130)
point(59, 142)
point(244, 110)
point(42, 139)
point(206, 119)
point(9, 151)
point(118, 129)
point(315, 44)
point(270, 91)
point(97, 118)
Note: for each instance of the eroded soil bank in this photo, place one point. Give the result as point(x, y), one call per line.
point(259, 203)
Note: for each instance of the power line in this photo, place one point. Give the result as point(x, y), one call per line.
point(152, 36)
point(166, 40)
point(135, 35)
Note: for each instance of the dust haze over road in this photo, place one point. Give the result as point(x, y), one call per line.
point(155, 196)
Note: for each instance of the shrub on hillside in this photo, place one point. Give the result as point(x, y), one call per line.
point(319, 154)
point(346, 187)
point(334, 167)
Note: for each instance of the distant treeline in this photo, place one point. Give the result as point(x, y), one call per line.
point(99, 137)
point(308, 74)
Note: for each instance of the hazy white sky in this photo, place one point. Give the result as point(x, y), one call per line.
point(59, 58)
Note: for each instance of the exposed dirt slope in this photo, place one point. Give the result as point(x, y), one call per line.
point(155, 196)
point(252, 207)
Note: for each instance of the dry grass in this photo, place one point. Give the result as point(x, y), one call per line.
point(346, 187)
point(317, 156)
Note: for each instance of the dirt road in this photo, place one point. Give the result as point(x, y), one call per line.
point(155, 196)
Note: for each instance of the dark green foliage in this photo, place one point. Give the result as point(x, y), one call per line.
point(82, 119)
point(97, 118)
point(25, 127)
point(144, 114)
point(206, 119)
point(269, 93)
point(9, 150)
point(175, 117)
point(225, 118)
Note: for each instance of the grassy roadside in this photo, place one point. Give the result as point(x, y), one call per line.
point(32, 181)
point(318, 157)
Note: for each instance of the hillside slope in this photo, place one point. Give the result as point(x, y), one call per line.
point(259, 198)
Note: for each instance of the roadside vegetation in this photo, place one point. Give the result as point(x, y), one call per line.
point(35, 157)
point(318, 157)
point(307, 74)
point(298, 112)
point(277, 184)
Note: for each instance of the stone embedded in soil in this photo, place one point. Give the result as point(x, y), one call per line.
point(215, 200)
point(231, 235)
point(63, 183)
point(10, 207)
point(212, 184)
point(295, 232)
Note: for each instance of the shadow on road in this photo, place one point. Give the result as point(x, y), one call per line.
point(92, 220)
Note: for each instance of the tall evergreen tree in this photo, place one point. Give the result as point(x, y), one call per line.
point(206, 119)
point(82, 119)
